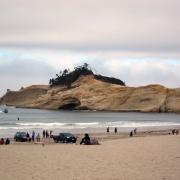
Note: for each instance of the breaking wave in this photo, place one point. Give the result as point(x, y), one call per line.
point(78, 125)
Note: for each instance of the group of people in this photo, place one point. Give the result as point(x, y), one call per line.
point(133, 132)
point(175, 131)
point(115, 130)
point(3, 141)
point(47, 134)
point(33, 137)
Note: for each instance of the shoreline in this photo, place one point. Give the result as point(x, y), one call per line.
point(83, 122)
point(9, 133)
point(91, 110)
point(102, 137)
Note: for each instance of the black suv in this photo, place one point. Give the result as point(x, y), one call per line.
point(65, 138)
point(20, 136)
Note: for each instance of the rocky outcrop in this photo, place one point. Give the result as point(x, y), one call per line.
point(90, 93)
point(25, 97)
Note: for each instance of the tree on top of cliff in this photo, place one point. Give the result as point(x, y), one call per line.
point(67, 77)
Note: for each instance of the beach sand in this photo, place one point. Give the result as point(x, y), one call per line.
point(144, 157)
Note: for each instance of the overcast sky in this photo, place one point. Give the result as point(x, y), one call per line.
point(137, 41)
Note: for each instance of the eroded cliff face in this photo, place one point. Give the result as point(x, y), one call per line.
point(92, 94)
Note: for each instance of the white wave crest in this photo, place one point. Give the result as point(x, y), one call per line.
point(127, 124)
point(87, 124)
point(41, 124)
point(78, 125)
point(55, 125)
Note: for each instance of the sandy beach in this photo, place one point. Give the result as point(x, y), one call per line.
point(145, 157)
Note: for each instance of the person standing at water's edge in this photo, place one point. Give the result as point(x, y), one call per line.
point(115, 130)
point(28, 136)
point(44, 133)
point(131, 134)
point(135, 131)
point(177, 131)
point(51, 134)
point(38, 137)
point(107, 129)
point(47, 134)
point(33, 136)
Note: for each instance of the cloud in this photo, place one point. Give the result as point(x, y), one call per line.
point(123, 25)
point(137, 41)
point(145, 71)
point(24, 68)
point(16, 72)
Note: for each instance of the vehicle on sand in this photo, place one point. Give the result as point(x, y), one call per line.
point(65, 138)
point(21, 136)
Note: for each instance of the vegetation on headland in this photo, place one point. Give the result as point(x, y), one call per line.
point(67, 77)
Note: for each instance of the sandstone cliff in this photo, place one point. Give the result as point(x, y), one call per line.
point(92, 94)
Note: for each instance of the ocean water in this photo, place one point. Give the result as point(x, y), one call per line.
point(81, 121)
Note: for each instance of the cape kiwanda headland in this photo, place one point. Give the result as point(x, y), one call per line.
point(92, 92)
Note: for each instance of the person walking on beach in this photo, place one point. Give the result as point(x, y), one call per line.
point(33, 136)
point(44, 133)
point(51, 134)
point(28, 137)
point(115, 130)
point(177, 131)
point(135, 131)
point(38, 138)
point(131, 134)
point(107, 129)
point(173, 131)
point(47, 134)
